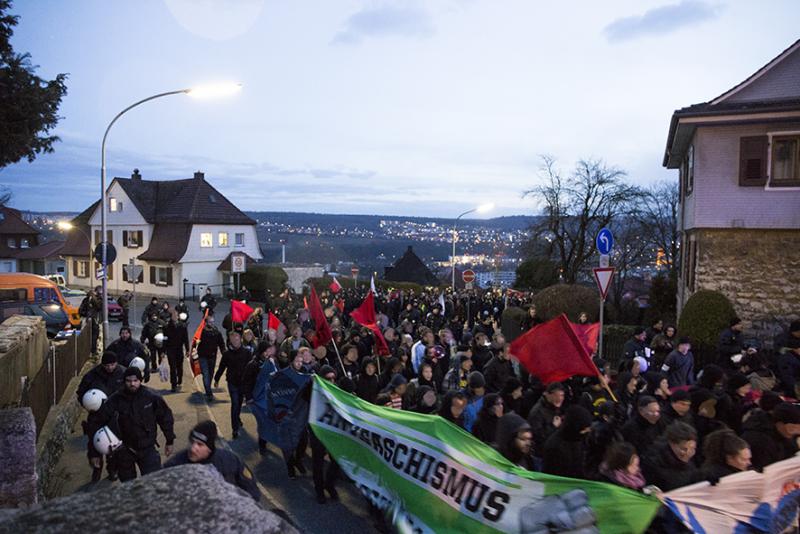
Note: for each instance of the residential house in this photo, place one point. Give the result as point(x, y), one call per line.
point(739, 161)
point(21, 249)
point(183, 233)
point(409, 268)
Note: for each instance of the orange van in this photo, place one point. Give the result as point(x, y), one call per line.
point(39, 290)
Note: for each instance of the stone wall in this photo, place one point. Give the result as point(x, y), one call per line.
point(23, 350)
point(17, 458)
point(758, 270)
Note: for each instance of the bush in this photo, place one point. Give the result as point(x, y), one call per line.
point(703, 318)
point(536, 274)
point(569, 299)
point(511, 322)
point(260, 278)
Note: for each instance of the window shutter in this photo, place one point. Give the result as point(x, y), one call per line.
point(124, 274)
point(124, 238)
point(139, 238)
point(140, 280)
point(753, 160)
point(74, 268)
point(96, 236)
point(152, 275)
point(169, 276)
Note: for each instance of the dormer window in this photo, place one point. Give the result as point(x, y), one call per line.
point(114, 204)
point(24, 243)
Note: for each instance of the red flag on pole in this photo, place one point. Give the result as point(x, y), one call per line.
point(305, 301)
point(588, 333)
point(335, 286)
point(195, 363)
point(553, 351)
point(339, 303)
point(273, 323)
point(365, 316)
point(324, 334)
point(240, 311)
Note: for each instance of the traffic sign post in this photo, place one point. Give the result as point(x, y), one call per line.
point(354, 272)
point(111, 253)
point(603, 276)
point(238, 266)
point(468, 276)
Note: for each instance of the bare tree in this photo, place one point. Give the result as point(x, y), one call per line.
point(632, 249)
point(576, 207)
point(5, 196)
point(658, 215)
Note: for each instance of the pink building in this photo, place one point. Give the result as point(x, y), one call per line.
point(739, 162)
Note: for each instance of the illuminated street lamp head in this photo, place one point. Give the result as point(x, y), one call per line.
point(216, 90)
point(484, 208)
point(64, 225)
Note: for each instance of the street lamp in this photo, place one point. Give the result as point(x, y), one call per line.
point(207, 91)
point(66, 226)
point(483, 208)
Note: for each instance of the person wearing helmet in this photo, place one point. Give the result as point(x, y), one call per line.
point(176, 346)
point(150, 309)
point(208, 302)
point(181, 307)
point(126, 348)
point(105, 378)
point(154, 343)
point(134, 414)
point(203, 450)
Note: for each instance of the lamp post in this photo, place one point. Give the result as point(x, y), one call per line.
point(209, 91)
point(67, 226)
point(483, 208)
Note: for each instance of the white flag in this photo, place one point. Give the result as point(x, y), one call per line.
point(441, 302)
point(372, 284)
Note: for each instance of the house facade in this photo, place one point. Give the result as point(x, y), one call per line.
point(181, 232)
point(738, 157)
point(21, 249)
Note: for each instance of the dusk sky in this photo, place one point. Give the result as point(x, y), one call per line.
point(378, 107)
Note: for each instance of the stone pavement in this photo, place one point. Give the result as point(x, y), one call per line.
point(292, 499)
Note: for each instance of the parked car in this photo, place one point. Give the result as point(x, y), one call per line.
point(55, 320)
point(114, 310)
point(74, 297)
point(39, 291)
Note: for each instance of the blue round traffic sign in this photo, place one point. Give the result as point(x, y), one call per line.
point(604, 241)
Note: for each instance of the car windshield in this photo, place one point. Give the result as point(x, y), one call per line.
point(45, 295)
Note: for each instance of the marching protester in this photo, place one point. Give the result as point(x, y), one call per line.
point(234, 360)
point(127, 349)
point(176, 346)
point(211, 342)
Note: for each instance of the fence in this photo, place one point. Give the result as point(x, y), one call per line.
point(64, 361)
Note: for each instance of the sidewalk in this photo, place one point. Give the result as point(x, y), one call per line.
point(292, 499)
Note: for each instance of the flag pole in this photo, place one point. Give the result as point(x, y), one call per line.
point(338, 356)
point(605, 385)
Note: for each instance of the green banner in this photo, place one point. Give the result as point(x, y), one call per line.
point(436, 477)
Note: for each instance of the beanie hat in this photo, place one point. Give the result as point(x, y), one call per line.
point(680, 395)
point(476, 380)
point(133, 371)
point(769, 400)
point(325, 370)
point(108, 357)
point(511, 384)
point(684, 340)
point(262, 346)
point(737, 380)
point(204, 432)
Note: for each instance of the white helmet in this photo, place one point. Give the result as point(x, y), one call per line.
point(183, 316)
point(159, 339)
point(93, 399)
point(203, 304)
point(138, 362)
point(105, 442)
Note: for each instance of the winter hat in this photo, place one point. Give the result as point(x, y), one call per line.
point(262, 346)
point(326, 370)
point(108, 357)
point(711, 374)
point(684, 340)
point(512, 383)
point(476, 380)
point(737, 380)
point(396, 381)
point(204, 432)
point(786, 413)
point(133, 371)
point(680, 395)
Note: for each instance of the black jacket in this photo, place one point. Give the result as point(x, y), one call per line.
point(641, 434)
point(133, 418)
point(149, 331)
point(508, 427)
point(496, 373)
point(766, 444)
point(541, 421)
point(250, 376)
point(229, 466)
point(126, 351)
point(663, 469)
point(210, 341)
point(98, 378)
point(367, 387)
point(485, 427)
point(565, 454)
point(234, 360)
point(177, 342)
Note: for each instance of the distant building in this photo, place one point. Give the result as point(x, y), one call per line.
point(739, 161)
point(409, 268)
point(495, 278)
point(182, 232)
point(20, 248)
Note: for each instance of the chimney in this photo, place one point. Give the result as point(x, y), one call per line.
point(136, 175)
point(199, 175)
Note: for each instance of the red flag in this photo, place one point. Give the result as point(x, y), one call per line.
point(588, 333)
point(305, 301)
point(339, 303)
point(240, 311)
point(365, 315)
point(273, 323)
point(553, 352)
point(195, 362)
point(324, 334)
point(335, 286)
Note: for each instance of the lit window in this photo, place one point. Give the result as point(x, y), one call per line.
point(114, 204)
point(239, 240)
point(222, 239)
point(23, 243)
point(206, 240)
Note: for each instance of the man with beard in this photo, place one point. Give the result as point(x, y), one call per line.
point(126, 348)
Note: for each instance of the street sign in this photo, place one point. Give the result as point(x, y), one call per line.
point(604, 241)
point(467, 285)
point(238, 263)
point(111, 253)
point(604, 260)
point(100, 273)
point(603, 277)
point(468, 276)
point(133, 272)
point(354, 271)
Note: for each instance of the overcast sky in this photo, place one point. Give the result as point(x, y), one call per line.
point(379, 107)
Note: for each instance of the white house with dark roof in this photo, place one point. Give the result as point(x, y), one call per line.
point(183, 233)
point(739, 161)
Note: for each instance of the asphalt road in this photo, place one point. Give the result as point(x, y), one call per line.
point(294, 499)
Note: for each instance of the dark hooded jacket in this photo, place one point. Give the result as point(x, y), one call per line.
point(640, 433)
point(541, 421)
point(419, 405)
point(663, 469)
point(496, 372)
point(485, 427)
point(508, 427)
point(766, 444)
point(565, 451)
point(366, 385)
point(445, 411)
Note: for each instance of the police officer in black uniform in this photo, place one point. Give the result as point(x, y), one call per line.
point(126, 348)
point(108, 377)
point(153, 327)
point(134, 414)
point(176, 346)
point(202, 450)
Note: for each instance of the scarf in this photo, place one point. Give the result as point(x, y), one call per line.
point(623, 478)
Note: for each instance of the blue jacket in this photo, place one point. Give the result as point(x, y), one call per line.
point(679, 368)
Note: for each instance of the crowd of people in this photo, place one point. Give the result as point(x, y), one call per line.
point(650, 419)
